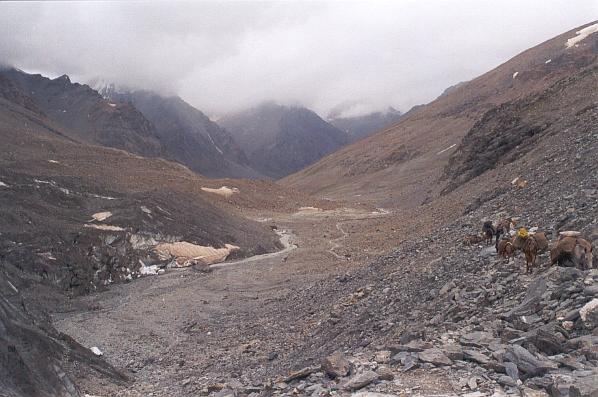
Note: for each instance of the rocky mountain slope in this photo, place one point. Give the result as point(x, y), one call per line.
point(84, 115)
point(358, 127)
point(403, 166)
point(187, 135)
point(436, 305)
point(280, 140)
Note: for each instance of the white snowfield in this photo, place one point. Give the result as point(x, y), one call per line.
point(581, 35)
point(224, 191)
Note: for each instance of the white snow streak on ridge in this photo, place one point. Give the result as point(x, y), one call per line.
point(214, 143)
point(2, 184)
point(448, 148)
point(581, 34)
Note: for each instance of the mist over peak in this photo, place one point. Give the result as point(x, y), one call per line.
point(226, 57)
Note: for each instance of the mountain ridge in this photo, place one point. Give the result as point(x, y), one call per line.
point(279, 140)
point(188, 135)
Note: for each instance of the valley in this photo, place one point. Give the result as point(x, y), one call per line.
point(147, 250)
point(245, 315)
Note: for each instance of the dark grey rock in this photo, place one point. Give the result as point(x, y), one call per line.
point(506, 380)
point(528, 363)
point(477, 339)
point(546, 339)
point(360, 380)
point(336, 365)
point(453, 351)
point(385, 373)
point(511, 370)
point(532, 302)
point(476, 356)
point(591, 290)
point(410, 363)
point(434, 356)
point(586, 386)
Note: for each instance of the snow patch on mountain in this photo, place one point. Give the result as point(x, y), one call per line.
point(581, 35)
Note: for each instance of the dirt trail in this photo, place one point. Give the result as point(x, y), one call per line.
point(339, 241)
point(286, 239)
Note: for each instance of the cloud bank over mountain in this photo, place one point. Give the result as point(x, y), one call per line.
point(226, 56)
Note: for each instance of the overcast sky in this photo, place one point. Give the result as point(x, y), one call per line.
point(226, 56)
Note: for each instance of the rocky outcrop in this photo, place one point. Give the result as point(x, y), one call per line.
point(35, 359)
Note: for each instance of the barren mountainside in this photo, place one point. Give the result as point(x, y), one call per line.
point(85, 116)
point(403, 166)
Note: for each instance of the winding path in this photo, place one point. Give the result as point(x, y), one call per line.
point(336, 243)
point(286, 239)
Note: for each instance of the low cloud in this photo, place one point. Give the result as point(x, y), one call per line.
point(225, 56)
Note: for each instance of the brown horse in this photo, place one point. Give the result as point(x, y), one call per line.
point(530, 249)
point(506, 249)
point(574, 248)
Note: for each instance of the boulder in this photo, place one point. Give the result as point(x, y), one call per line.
point(300, 374)
point(385, 373)
point(526, 362)
point(532, 302)
point(586, 386)
point(589, 314)
point(382, 357)
point(512, 371)
point(528, 392)
point(476, 356)
point(546, 339)
point(506, 380)
point(360, 380)
point(434, 356)
point(336, 366)
point(453, 351)
point(477, 339)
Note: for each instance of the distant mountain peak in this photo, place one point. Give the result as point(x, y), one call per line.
point(358, 127)
point(64, 78)
point(281, 139)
